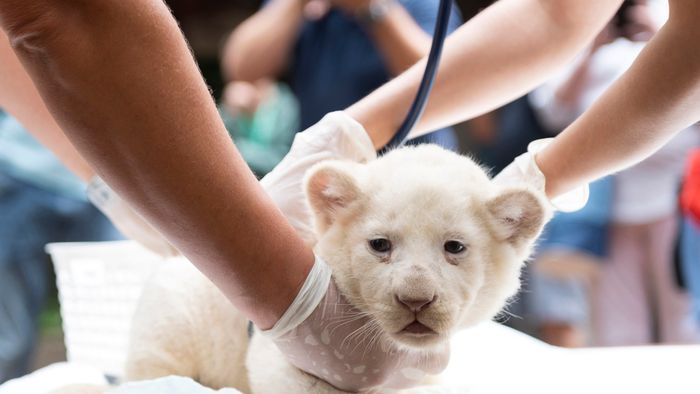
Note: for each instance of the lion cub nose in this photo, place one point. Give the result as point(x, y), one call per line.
point(415, 304)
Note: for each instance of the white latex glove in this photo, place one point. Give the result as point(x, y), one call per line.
point(336, 136)
point(524, 170)
point(124, 218)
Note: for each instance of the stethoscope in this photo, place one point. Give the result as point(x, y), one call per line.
point(426, 83)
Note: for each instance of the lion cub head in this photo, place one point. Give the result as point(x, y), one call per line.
point(422, 240)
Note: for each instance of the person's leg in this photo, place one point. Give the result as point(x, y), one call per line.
point(676, 323)
point(23, 275)
point(620, 303)
point(561, 310)
point(559, 302)
point(33, 217)
point(17, 333)
point(690, 256)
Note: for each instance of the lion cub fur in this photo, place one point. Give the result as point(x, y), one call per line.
point(417, 198)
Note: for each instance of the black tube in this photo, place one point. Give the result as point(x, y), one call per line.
point(426, 84)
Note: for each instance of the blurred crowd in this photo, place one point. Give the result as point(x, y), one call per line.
point(621, 271)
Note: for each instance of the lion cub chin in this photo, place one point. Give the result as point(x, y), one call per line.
point(420, 240)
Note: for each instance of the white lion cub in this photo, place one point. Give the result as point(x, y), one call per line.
point(421, 243)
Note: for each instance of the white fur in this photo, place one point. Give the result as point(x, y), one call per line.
point(418, 198)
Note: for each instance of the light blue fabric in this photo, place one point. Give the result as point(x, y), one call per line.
point(583, 231)
point(586, 230)
point(690, 261)
point(22, 157)
point(555, 300)
point(168, 385)
point(264, 138)
point(31, 217)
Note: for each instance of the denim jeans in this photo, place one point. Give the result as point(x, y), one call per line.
point(690, 260)
point(29, 219)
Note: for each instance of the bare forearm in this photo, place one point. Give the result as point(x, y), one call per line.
point(399, 39)
point(489, 61)
point(19, 97)
point(120, 80)
point(260, 46)
point(656, 98)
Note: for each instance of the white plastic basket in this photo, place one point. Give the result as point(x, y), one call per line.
point(99, 284)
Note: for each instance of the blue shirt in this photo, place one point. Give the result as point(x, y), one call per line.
point(25, 159)
point(335, 62)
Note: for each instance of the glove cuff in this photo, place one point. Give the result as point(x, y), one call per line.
point(568, 202)
point(307, 300)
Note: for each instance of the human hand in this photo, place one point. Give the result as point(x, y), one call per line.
point(336, 136)
point(126, 220)
point(525, 171)
point(316, 9)
point(642, 24)
point(241, 97)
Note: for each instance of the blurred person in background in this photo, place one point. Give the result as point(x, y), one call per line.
point(262, 117)
point(566, 265)
point(40, 202)
point(548, 308)
point(334, 52)
point(689, 242)
point(635, 297)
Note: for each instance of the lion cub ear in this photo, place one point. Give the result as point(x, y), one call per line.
point(331, 188)
point(518, 215)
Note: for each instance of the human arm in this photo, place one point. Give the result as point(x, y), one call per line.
point(654, 99)
point(19, 97)
point(492, 59)
point(399, 39)
point(260, 46)
point(105, 71)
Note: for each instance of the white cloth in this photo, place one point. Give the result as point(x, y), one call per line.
point(168, 385)
point(481, 357)
point(647, 191)
point(54, 377)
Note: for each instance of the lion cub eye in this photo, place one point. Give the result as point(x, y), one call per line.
point(454, 247)
point(380, 245)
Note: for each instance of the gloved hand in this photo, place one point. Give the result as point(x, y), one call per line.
point(336, 136)
point(124, 218)
point(524, 170)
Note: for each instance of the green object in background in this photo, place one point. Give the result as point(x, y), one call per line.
point(265, 137)
point(50, 319)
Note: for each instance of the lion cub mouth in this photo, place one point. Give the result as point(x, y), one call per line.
point(417, 329)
